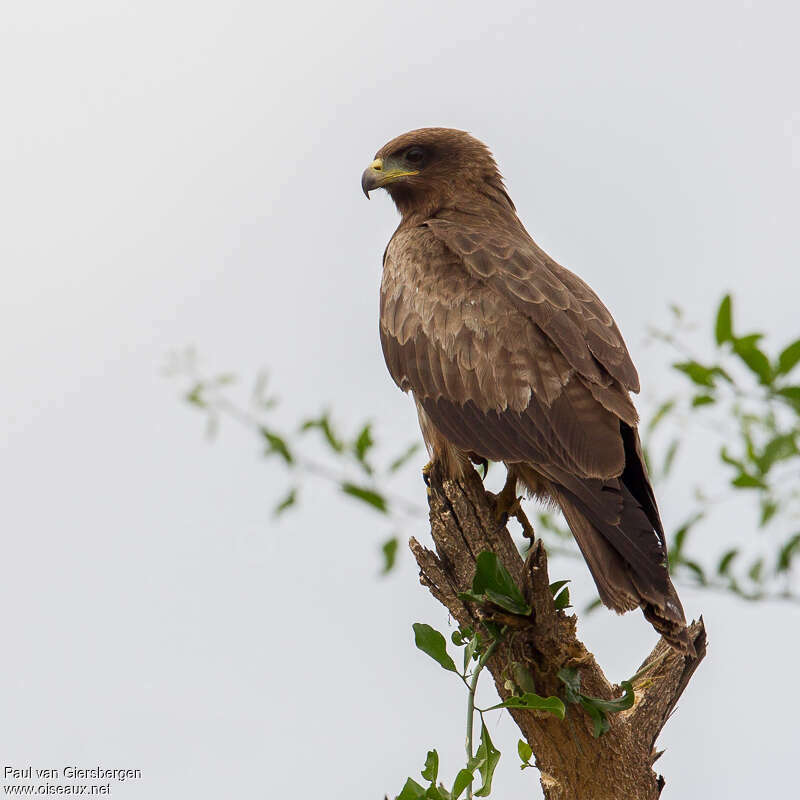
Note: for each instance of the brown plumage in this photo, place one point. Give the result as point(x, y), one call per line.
point(510, 357)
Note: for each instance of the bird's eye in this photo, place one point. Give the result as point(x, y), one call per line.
point(414, 155)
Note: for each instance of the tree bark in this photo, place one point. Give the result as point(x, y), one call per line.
point(573, 765)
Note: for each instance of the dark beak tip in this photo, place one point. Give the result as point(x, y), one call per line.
point(366, 184)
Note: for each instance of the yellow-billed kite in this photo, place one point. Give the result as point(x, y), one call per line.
point(510, 357)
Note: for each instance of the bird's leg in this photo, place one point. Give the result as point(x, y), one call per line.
point(506, 498)
point(506, 504)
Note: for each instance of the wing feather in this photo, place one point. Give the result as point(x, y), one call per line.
point(449, 336)
point(500, 253)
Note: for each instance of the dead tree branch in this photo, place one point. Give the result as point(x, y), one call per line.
point(573, 764)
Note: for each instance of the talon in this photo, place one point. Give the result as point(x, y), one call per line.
point(506, 499)
point(480, 461)
point(521, 517)
point(507, 504)
point(426, 474)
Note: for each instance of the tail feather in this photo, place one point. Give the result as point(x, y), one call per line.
point(620, 586)
point(673, 630)
point(622, 541)
point(610, 572)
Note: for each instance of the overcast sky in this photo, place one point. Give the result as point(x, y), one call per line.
point(176, 173)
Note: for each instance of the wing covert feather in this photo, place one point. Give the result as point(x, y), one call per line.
point(500, 252)
point(490, 378)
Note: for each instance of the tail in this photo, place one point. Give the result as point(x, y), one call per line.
point(619, 584)
point(618, 530)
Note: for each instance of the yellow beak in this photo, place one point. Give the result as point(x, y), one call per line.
point(375, 176)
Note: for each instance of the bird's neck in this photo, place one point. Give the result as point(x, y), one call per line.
point(489, 198)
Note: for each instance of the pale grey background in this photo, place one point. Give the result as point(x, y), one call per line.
point(175, 173)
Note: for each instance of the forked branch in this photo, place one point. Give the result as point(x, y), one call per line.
point(573, 764)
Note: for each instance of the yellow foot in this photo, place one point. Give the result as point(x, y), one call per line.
point(426, 473)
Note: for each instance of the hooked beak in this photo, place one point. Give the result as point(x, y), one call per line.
point(371, 177)
point(375, 176)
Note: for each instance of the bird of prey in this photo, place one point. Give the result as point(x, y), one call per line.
point(511, 357)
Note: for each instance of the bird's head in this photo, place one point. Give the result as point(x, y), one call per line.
point(433, 168)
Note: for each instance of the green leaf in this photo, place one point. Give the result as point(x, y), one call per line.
point(757, 362)
point(277, 445)
point(701, 375)
point(600, 723)
point(323, 423)
point(724, 327)
point(463, 779)
point(702, 400)
point(460, 636)
point(754, 573)
point(571, 678)
point(361, 446)
point(779, 448)
point(524, 750)
point(287, 502)
point(768, 509)
point(596, 707)
point(670, 457)
point(787, 552)
point(368, 496)
point(696, 372)
point(556, 585)
point(792, 395)
point(493, 580)
point(661, 412)
point(617, 704)
point(489, 755)
point(411, 791)
point(195, 396)
point(726, 560)
point(751, 340)
point(404, 457)
point(534, 702)
point(431, 770)
point(430, 641)
point(510, 603)
point(561, 601)
point(698, 571)
point(745, 481)
point(389, 550)
point(679, 538)
point(788, 358)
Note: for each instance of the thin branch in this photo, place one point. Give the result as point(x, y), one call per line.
point(222, 404)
